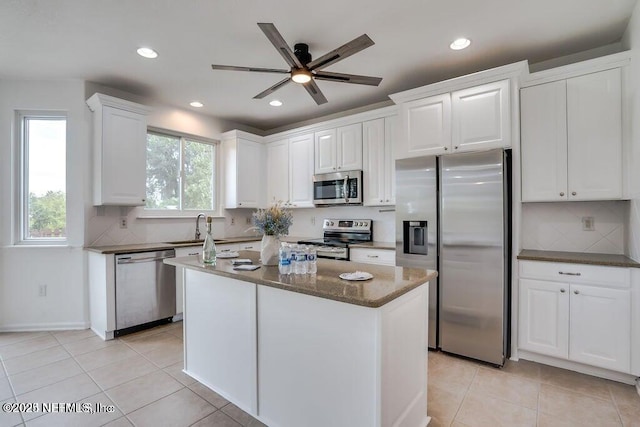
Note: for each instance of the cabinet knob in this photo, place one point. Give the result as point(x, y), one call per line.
point(381, 200)
point(445, 148)
point(573, 193)
point(339, 167)
point(576, 292)
point(562, 290)
point(455, 148)
point(562, 193)
point(387, 200)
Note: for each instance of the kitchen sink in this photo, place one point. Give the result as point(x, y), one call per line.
point(185, 242)
point(192, 242)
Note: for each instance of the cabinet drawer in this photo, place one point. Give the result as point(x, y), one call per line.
point(188, 251)
point(613, 277)
point(373, 256)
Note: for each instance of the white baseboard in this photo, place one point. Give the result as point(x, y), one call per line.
point(37, 327)
point(579, 367)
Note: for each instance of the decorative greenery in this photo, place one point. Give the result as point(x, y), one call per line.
point(273, 221)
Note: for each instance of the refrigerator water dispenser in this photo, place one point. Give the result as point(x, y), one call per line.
point(415, 237)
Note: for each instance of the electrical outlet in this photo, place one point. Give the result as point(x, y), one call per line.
point(233, 220)
point(588, 223)
point(123, 222)
point(313, 220)
point(248, 220)
point(42, 290)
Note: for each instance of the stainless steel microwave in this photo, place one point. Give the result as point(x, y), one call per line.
point(338, 188)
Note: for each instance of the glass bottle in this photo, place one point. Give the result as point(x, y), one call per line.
point(209, 246)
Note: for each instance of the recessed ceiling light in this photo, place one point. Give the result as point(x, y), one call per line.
point(460, 43)
point(147, 52)
point(275, 103)
point(196, 104)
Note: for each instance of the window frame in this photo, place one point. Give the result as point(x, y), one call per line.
point(145, 212)
point(21, 212)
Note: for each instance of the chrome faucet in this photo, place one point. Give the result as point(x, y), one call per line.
point(198, 225)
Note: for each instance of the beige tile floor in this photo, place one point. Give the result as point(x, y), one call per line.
point(464, 393)
point(141, 376)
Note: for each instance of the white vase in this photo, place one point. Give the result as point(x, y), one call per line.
point(269, 249)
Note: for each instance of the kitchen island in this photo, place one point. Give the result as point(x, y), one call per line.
point(310, 350)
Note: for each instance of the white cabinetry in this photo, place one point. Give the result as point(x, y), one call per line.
point(572, 138)
point(278, 171)
point(426, 125)
point(290, 172)
point(481, 117)
point(577, 312)
point(472, 119)
point(373, 256)
point(378, 139)
point(339, 149)
point(301, 171)
point(119, 151)
point(244, 177)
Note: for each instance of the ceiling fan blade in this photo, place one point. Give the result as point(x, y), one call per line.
point(273, 88)
point(276, 39)
point(344, 51)
point(347, 78)
point(315, 92)
point(256, 69)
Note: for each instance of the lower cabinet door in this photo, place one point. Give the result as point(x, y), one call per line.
point(600, 327)
point(544, 317)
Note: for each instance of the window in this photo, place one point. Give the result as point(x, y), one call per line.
point(181, 173)
point(43, 207)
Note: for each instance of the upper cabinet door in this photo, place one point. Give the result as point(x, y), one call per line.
point(374, 162)
point(249, 191)
point(349, 148)
point(543, 127)
point(119, 151)
point(481, 117)
point(278, 172)
point(326, 158)
point(390, 139)
point(594, 105)
point(124, 138)
point(301, 171)
point(426, 127)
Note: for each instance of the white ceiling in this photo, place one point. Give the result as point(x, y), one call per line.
point(96, 40)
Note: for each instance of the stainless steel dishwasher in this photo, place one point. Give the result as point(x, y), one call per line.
point(145, 290)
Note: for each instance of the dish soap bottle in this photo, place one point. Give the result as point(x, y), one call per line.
point(209, 246)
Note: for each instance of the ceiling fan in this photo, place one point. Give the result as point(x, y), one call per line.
point(304, 70)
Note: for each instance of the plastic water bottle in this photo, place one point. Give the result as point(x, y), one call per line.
point(300, 265)
point(312, 256)
point(209, 246)
point(284, 264)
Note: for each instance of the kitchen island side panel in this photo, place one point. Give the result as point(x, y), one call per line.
point(323, 362)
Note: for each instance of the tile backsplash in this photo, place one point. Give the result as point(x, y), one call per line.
point(558, 226)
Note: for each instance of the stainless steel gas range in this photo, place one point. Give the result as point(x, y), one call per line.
point(338, 234)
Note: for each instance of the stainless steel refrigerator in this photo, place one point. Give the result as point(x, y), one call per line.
point(453, 215)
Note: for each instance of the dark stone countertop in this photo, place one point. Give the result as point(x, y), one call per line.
point(609, 260)
point(388, 283)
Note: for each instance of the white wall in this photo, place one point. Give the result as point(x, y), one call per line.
point(62, 269)
point(631, 40)
point(558, 226)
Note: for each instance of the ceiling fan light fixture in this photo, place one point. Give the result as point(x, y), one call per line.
point(301, 76)
point(459, 44)
point(147, 52)
point(275, 103)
